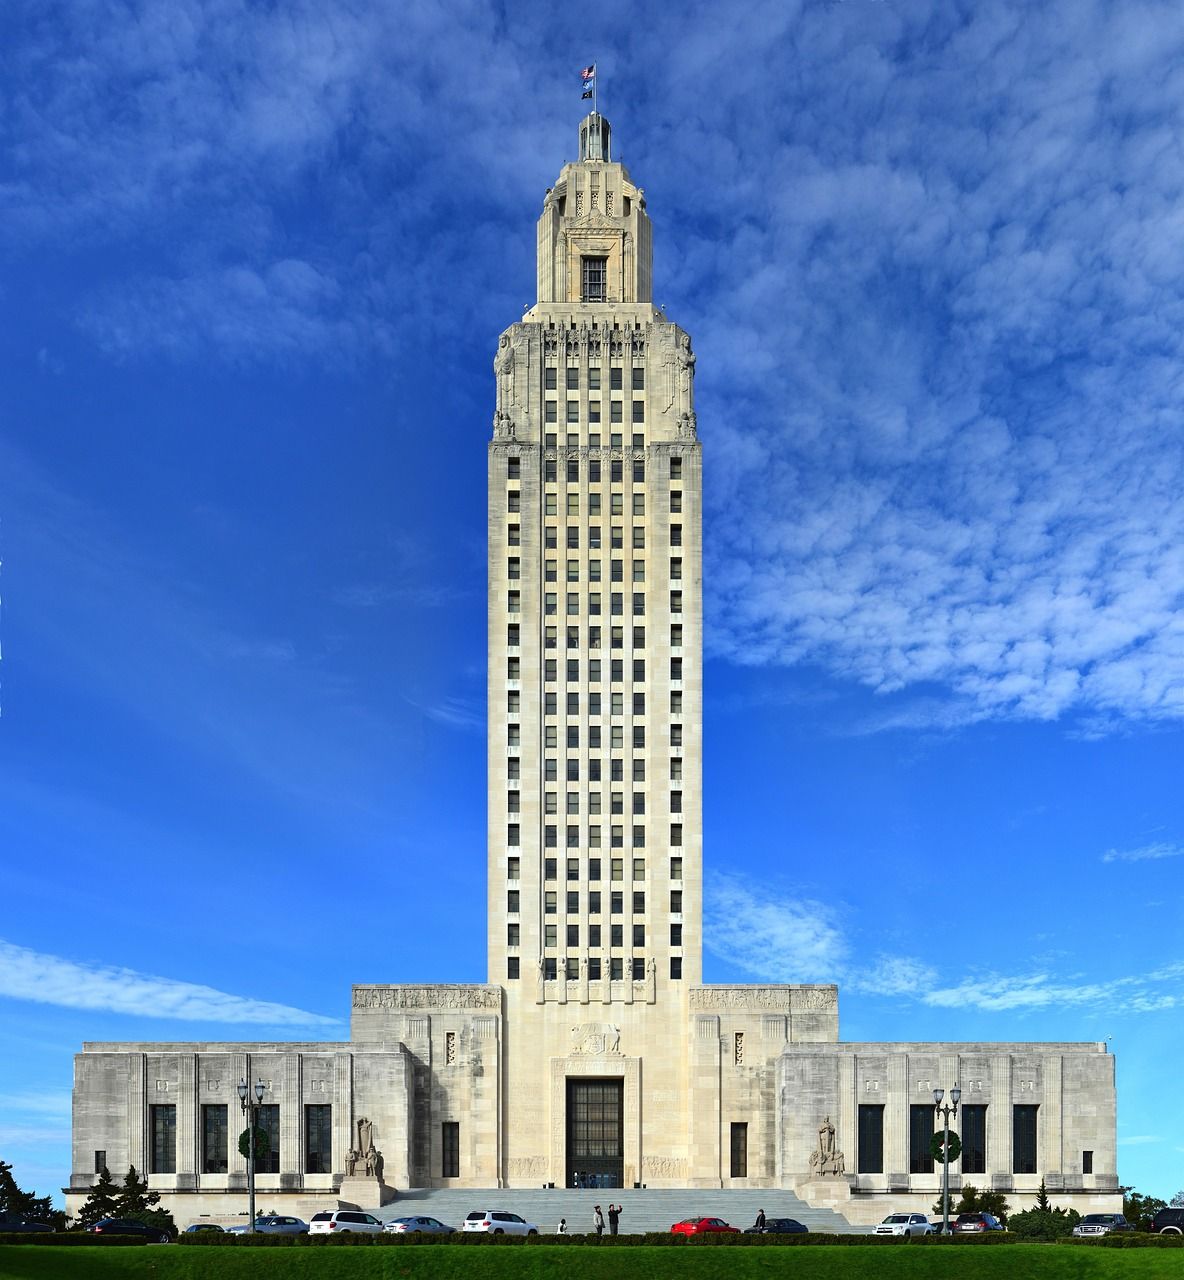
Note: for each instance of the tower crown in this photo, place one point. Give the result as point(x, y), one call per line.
point(594, 237)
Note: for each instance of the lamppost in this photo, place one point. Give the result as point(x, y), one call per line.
point(251, 1111)
point(948, 1110)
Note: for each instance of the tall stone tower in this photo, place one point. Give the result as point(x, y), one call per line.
point(595, 670)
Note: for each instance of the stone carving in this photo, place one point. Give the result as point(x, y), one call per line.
point(778, 999)
point(503, 426)
point(351, 1162)
point(365, 1131)
point(595, 1038)
point(503, 368)
point(826, 1158)
point(434, 997)
point(686, 426)
point(527, 1166)
point(664, 1167)
point(374, 1162)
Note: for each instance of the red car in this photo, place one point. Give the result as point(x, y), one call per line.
point(700, 1226)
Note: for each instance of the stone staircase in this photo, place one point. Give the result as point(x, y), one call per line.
point(641, 1211)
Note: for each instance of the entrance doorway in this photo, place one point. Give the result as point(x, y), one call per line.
point(595, 1132)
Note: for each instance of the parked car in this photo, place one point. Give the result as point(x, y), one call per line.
point(429, 1226)
point(129, 1227)
point(977, 1222)
point(903, 1224)
point(18, 1222)
point(777, 1227)
point(1168, 1222)
point(195, 1228)
point(702, 1226)
point(341, 1221)
point(272, 1224)
point(498, 1222)
point(1101, 1224)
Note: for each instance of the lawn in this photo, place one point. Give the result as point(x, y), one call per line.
point(547, 1262)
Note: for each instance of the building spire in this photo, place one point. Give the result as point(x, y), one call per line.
point(595, 138)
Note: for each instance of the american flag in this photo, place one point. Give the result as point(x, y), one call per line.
point(588, 72)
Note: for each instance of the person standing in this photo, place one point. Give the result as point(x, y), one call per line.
point(614, 1217)
point(598, 1218)
point(759, 1224)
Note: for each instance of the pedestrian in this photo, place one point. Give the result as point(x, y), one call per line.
point(599, 1220)
point(614, 1217)
point(759, 1224)
point(561, 1229)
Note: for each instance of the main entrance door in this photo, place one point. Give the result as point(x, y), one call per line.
point(595, 1132)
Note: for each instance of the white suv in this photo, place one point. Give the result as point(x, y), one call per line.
point(497, 1222)
point(904, 1224)
point(343, 1220)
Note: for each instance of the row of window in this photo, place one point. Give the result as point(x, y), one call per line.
point(616, 568)
point(616, 374)
point(596, 739)
point(616, 505)
point(572, 537)
point(616, 770)
point(616, 837)
point(595, 799)
point(595, 934)
point(972, 1129)
point(616, 470)
point(215, 1130)
point(616, 467)
point(595, 639)
point(616, 968)
point(572, 669)
point(616, 872)
point(595, 701)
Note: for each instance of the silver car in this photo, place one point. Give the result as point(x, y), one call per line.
point(429, 1226)
point(903, 1224)
point(272, 1224)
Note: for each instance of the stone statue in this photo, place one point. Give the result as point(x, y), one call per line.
point(503, 367)
point(542, 991)
point(686, 426)
point(503, 426)
point(686, 370)
point(826, 1158)
point(374, 1162)
point(351, 1162)
point(365, 1136)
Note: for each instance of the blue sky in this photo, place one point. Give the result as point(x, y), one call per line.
point(253, 262)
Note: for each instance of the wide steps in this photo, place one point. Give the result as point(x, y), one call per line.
point(641, 1210)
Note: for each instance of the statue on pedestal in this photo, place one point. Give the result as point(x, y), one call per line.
point(827, 1158)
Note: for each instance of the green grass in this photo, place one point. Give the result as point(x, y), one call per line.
point(548, 1262)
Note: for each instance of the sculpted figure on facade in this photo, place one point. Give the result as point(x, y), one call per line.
point(826, 1158)
point(503, 368)
point(595, 1038)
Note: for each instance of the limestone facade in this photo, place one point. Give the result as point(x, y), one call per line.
point(595, 1050)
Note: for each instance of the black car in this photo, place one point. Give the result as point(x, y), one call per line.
point(1168, 1222)
point(18, 1222)
point(777, 1227)
point(130, 1227)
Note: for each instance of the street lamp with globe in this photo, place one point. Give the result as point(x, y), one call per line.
point(251, 1111)
point(948, 1110)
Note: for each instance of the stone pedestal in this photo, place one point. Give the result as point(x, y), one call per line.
point(365, 1193)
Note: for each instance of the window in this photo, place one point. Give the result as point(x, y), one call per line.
point(676, 935)
point(549, 540)
point(594, 874)
point(573, 903)
point(639, 771)
point(616, 471)
point(675, 567)
point(1087, 1161)
point(615, 968)
point(513, 701)
point(550, 934)
point(550, 375)
point(549, 969)
point(213, 1139)
point(573, 411)
point(573, 935)
point(450, 1149)
point(676, 967)
point(676, 501)
point(514, 535)
point(676, 835)
point(269, 1123)
point(100, 1161)
point(594, 910)
point(920, 1136)
point(676, 602)
point(639, 803)
point(593, 412)
point(514, 500)
point(551, 412)
point(676, 735)
point(513, 831)
point(639, 504)
point(550, 865)
point(616, 378)
point(974, 1139)
point(594, 510)
point(616, 934)
point(573, 472)
point(512, 967)
point(1023, 1139)
point(676, 636)
point(676, 802)
point(675, 769)
point(639, 736)
point(639, 411)
point(617, 870)
point(164, 1138)
point(638, 868)
point(573, 802)
point(550, 638)
point(593, 273)
point(512, 633)
point(676, 902)
point(512, 902)
point(639, 968)
point(573, 504)
point(550, 471)
point(513, 935)
point(639, 703)
point(639, 637)
point(676, 468)
point(638, 471)
point(594, 377)
point(638, 571)
point(513, 866)
point(871, 1139)
point(549, 505)
point(676, 535)
point(573, 604)
point(639, 935)
point(676, 868)
point(639, 902)
point(550, 904)
point(318, 1138)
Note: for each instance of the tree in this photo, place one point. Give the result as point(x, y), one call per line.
point(15, 1200)
point(1043, 1224)
point(1042, 1203)
point(1178, 1200)
point(1139, 1209)
point(100, 1203)
point(136, 1201)
point(972, 1200)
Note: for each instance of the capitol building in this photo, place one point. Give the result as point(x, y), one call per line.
point(594, 1053)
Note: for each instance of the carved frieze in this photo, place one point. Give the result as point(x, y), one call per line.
point(444, 996)
point(782, 999)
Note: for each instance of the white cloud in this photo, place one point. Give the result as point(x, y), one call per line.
point(776, 938)
point(1139, 1140)
point(1145, 853)
point(48, 979)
